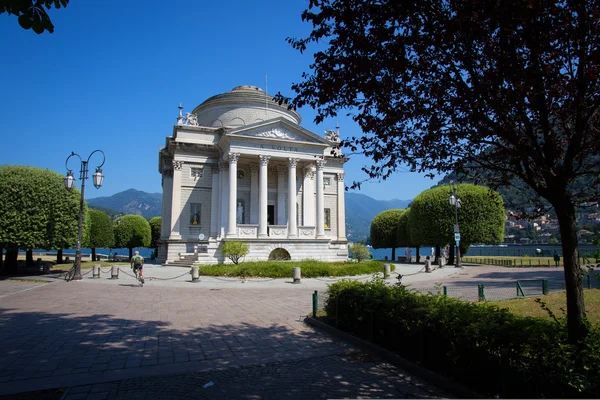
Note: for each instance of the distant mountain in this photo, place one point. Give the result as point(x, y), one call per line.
point(360, 208)
point(131, 201)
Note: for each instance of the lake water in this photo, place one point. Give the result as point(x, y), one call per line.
point(492, 250)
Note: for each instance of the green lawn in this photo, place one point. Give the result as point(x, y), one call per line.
point(523, 261)
point(556, 302)
point(284, 269)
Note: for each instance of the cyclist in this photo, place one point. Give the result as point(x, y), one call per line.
point(137, 264)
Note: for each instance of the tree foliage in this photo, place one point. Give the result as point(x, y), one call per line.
point(155, 224)
point(359, 251)
point(31, 13)
point(101, 232)
point(403, 238)
point(384, 228)
point(132, 231)
point(36, 210)
point(235, 250)
point(510, 86)
point(480, 217)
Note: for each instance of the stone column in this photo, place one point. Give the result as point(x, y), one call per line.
point(309, 197)
point(254, 193)
point(320, 200)
point(341, 206)
point(232, 226)
point(167, 184)
point(292, 219)
point(223, 197)
point(176, 201)
point(214, 201)
point(263, 195)
point(281, 171)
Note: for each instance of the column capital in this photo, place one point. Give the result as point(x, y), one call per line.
point(321, 163)
point(177, 165)
point(292, 162)
point(310, 174)
point(223, 165)
point(234, 157)
point(167, 172)
point(214, 168)
point(254, 168)
point(281, 170)
point(340, 177)
point(264, 160)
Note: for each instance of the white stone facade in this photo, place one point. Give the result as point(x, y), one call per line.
point(229, 171)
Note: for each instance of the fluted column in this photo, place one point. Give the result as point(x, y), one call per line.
point(263, 195)
point(214, 201)
point(341, 206)
point(232, 229)
point(223, 198)
point(320, 200)
point(167, 185)
point(176, 201)
point(292, 219)
point(254, 193)
point(281, 172)
point(308, 202)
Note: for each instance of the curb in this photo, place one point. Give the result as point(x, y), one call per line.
point(440, 381)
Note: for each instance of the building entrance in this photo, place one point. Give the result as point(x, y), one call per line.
point(271, 215)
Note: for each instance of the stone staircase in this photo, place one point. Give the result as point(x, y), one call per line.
point(185, 260)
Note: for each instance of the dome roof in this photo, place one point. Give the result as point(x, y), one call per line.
point(243, 105)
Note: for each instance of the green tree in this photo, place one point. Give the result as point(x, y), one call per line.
point(384, 230)
point(36, 211)
point(403, 234)
point(468, 86)
point(359, 251)
point(235, 251)
point(480, 217)
point(31, 13)
point(155, 224)
point(101, 232)
point(132, 231)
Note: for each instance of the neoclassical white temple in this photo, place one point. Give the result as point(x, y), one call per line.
point(240, 167)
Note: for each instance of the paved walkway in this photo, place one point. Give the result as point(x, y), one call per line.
point(103, 338)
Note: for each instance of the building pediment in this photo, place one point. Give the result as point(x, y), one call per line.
point(279, 130)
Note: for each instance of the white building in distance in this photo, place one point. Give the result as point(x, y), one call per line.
point(240, 167)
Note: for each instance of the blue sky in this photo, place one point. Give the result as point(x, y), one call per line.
point(113, 72)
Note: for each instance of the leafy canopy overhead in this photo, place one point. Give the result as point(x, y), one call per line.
point(132, 231)
point(384, 228)
point(31, 13)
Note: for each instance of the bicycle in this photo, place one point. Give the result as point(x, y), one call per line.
point(138, 275)
point(70, 274)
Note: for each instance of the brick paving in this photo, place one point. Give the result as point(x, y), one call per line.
point(122, 341)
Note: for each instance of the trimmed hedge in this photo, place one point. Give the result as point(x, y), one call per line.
point(285, 269)
point(484, 347)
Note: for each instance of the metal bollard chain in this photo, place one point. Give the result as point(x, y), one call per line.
point(151, 278)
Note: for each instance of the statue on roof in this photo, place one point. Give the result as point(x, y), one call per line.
point(191, 119)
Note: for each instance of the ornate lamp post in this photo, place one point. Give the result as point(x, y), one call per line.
point(456, 203)
point(69, 183)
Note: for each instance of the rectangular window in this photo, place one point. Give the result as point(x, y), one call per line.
point(195, 209)
point(197, 172)
point(326, 181)
point(327, 218)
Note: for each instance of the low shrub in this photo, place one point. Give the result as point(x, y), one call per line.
point(484, 347)
point(285, 269)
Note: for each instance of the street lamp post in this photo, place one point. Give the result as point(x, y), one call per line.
point(69, 183)
point(456, 202)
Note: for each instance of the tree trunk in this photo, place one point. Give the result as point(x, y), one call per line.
point(418, 254)
point(451, 255)
point(1, 257)
point(575, 304)
point(393, 253)
point(11, 264)
point(93, 254)
point(59, 257)
point(29, 257)
point(130, 253)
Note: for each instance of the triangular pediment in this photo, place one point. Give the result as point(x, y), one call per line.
point(278, 129)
